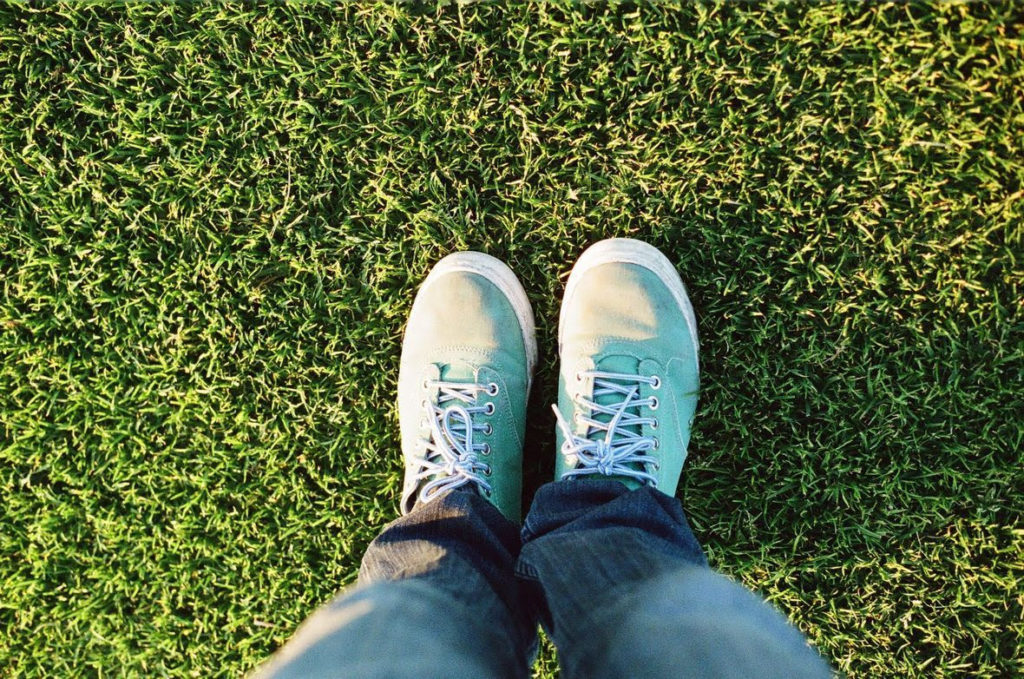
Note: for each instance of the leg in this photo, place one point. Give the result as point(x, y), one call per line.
point(625, 583)
point(436, 593)
point(435, 597)
point(626, 586)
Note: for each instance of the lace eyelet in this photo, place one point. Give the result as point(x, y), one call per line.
point(425, 403)
point(490, 409)
point(487, 471)
point(655, 403)
point(488, 429)
point(486, 450)
point(579, 377)
point(656, 384)
point(654, 425)
point(426, 384)
point(492, 389)
point(657, 444)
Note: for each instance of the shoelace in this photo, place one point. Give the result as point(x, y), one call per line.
point(620, 452)
point(451, 453)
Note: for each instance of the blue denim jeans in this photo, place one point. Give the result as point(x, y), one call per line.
point(614, 576)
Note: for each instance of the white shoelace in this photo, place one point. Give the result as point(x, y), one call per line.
point(620, 452)
point(451, 453)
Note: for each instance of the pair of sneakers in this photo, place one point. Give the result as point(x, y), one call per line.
point(627, 389)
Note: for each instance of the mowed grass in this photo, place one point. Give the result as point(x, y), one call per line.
point(213, 221)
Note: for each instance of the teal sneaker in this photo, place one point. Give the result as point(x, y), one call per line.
point(467, 363)
point(627, 389)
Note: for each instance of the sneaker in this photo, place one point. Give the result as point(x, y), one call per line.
point(627, 389)
point(467, 363)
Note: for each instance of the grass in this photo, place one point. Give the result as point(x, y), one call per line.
point(213, 220)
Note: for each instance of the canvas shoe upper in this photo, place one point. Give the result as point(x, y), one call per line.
point(467, 362)
point(628, 379)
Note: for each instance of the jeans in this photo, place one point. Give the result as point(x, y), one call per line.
point(614, 576)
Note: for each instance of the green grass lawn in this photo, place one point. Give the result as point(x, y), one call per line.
point(213, 221)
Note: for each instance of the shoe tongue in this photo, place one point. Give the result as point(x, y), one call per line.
point(619, 363)
point(460, 373)
point(625, 365)
point(457, 372)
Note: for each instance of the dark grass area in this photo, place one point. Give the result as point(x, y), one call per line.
point(213, 220)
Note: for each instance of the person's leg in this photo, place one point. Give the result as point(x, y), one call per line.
point(625, 585)
point(436, 594)
point(435, 597)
